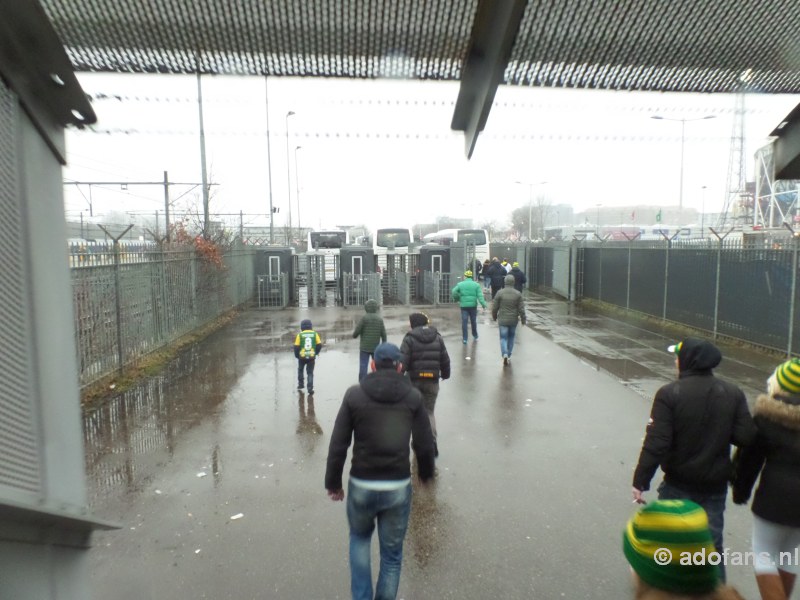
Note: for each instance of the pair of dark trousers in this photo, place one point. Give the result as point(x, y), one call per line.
point(713, 504)
point(430, 391)
point(306, 364)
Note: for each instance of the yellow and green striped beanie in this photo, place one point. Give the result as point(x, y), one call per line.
point(656, 538)
point(788, 376)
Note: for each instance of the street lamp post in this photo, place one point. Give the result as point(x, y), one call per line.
point(683, 143)
point(598, 219)
point(703, 214)
point(289, 175)
point(297, 188)
point(530, 206)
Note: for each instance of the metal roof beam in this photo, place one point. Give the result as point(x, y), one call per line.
point(493, 34)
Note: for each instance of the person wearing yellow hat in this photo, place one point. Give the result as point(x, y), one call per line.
point(656, 541)
point(468, 293)
point(774, 456)
point(519, 277)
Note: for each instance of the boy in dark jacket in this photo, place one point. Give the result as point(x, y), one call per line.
point(425, 359)
point(372, 332)
point(497, 275)
point(307, 346)
point(381, 415)
point(693, 423)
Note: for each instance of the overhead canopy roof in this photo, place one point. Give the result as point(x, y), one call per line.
point(663, 45)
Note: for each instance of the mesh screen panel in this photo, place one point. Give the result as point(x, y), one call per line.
point(19, 463)
point(682, 45)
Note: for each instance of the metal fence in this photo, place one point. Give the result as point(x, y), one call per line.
point(125, 310)
point(437, 287)
point(725, 288)
point(357, 289)
point(272, 291)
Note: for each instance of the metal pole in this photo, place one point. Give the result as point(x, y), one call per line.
point(203, 157)
point(166, 204)
point(680, 192)
point(719, 267)
point(269, 164)
point(792, 298)
point(297, 189)
point(530, 204)
point(289, 176)
point(117, 295)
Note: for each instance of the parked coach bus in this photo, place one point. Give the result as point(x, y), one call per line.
point(392, 239)
point(328, 242)
point(478, 238)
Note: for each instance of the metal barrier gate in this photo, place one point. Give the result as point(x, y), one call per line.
point(437, 287)
point(357, 289)
point(273, 291)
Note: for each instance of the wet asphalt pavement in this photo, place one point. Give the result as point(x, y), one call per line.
point(215, 468)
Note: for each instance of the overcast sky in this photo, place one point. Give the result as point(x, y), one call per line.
point(382, 152)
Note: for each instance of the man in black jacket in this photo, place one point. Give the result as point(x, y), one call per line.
point(381, 414)
point(497, 274)
point(693, 423)
point(425, 359)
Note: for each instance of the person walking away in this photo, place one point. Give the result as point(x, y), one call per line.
point(693, 423)
point(655, 541)
point(382, 414)
point(508, 309)
point(372, 332)
point(519, 277)
point(426, 361)
point(775, 456)
point(468, 294)
point(497, 275)
point(307, 346)
point(487, 281)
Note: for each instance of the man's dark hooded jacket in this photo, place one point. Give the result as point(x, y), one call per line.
point(381, 414)
point(424, 354)
point(693, 423)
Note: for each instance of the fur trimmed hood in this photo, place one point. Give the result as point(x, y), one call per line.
point(781, 409)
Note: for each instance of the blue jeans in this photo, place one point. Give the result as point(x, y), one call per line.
point(363, 363)
point(507, 335)
point(470, 313)
point(713, 504)
point(391, 508)
point(308, 364)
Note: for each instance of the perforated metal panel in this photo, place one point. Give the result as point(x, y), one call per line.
point(679, 45)
point(19, 461)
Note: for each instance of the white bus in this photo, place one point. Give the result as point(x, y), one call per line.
point(478, 238)
point(327, 242)
point(392, 239)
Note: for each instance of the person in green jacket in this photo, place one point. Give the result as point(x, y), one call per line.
point(508, 309)
point(372, 332)
point(468, 293)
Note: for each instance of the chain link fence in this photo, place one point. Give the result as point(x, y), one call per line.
point(742, 291)
point(126, 310)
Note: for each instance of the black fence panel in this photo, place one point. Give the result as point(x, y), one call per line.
point(615, 275)
point(692, 287)
point(647, 280)
point(592, 274)
point(755, 296)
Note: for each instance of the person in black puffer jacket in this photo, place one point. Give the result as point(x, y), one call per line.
point(381, 416)
point(776, 506)
point(425, 359)
point(693, 423)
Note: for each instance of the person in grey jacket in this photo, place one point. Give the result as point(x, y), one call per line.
point(372, 332)
point(508, 309)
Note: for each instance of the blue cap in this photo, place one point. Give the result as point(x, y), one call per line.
point(386, 352)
